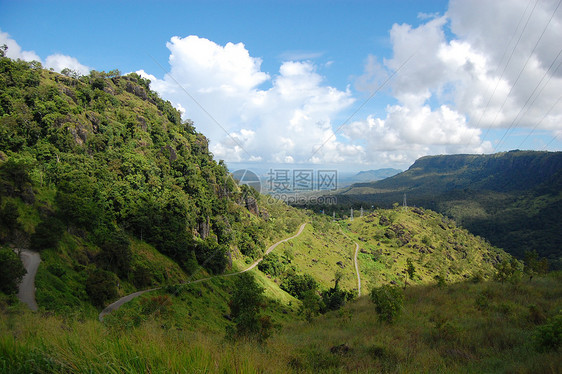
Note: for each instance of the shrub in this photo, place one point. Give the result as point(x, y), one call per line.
point(548, 337)
point(12, 271)
point(245, 305)
point(311, 305)
point(212, 255)
point(47, 233)
point(297, 285)
point(101, 286)
point(116, 254)
point(271, 265)
point(388, 302)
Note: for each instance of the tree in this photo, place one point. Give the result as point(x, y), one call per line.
point(116, 254)
point(245, 305)
point(388, 302)
point(533, 266)
point(508, 270)
point(47, 233)
point(296, 285)
point(335, 297)
point(12, 271)
point(312, 305)
point(410, 269)
point(101, 286)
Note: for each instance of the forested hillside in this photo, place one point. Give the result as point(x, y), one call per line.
point(94, 166)
point(512, 199)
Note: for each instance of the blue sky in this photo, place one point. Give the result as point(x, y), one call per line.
point(295, 82)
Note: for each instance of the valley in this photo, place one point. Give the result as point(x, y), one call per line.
point(154, 259)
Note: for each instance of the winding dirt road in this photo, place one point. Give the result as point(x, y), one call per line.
point(114, 306)
point(26, 292)
point(357, 269)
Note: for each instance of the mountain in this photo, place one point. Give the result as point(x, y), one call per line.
point(106, 180)
point(122, 197)
point(367, 176)
point(513, 199)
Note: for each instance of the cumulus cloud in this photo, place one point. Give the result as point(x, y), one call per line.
point(464, 79)
point(14, 49)
point(58, 62)
point(249, 114)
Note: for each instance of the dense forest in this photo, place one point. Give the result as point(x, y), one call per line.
point(89, 163)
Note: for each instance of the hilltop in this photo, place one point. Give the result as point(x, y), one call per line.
point(512, 199)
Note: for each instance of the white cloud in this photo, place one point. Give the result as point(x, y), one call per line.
point(452, 91)
point(284, 122)
point(15, 51)
point(58, 62)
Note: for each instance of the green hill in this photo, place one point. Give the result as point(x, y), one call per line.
point(105, 179)
point(118, 194)
point(512, 199)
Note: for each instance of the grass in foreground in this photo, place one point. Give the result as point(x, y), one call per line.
point(465, 327)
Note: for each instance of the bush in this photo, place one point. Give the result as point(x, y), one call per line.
point(297, 285)
point(388, 302)
point(311, 305)
point(212, 256)
point(548, 337)
point(245, 305)
point(271, 265)
point(12, 271)
point(116, 254)
point(47, 233)
point(101, 286)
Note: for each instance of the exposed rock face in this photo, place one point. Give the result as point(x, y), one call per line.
point(383, 221)
point(136, 90)
point(204, 227)
point(252, 205)
point(172, 152)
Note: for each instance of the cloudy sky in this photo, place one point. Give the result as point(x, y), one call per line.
point(357, 84)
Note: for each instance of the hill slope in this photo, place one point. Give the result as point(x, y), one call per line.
point(117, 192)
point(513, 199)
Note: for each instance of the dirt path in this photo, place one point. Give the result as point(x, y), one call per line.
point(26, 291)
point(114, 306)
point(357, 269)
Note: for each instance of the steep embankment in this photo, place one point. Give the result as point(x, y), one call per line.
point(511, 199)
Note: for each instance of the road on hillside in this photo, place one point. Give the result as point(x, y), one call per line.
point(114, 306)
point(357, 270)
point(26, 292)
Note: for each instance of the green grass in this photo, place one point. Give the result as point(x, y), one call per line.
point(434, 243)
point(461, 328)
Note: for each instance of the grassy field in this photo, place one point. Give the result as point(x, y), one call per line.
point(433, 243)
point(485, 327)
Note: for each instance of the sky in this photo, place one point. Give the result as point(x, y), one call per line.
point(354, 85)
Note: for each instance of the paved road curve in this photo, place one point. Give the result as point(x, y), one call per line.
point(26, 292)
point(357, 270)
point(110, 308)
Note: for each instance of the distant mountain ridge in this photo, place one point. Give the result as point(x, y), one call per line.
point(368, 176)
point(512, 198)
point(510, 171)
